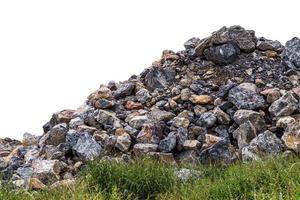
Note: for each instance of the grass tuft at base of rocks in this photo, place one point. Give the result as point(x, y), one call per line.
point(277, 178)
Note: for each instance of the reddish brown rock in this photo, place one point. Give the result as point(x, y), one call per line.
point(131, 105)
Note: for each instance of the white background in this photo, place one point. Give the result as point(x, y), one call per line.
point(54, 53)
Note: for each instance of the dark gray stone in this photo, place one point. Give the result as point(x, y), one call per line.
point(207, 119)
point(168, 144)
point(55, 136)
point(124, 89)
point(263, 44)
point(263, 145)
point(245, 98)
point(223, 54)
point(291, 53)
point(284, 106)
point(218, 153)
point(87, 148)
point(159, 78)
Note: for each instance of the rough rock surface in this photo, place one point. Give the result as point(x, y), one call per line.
point(230, 96)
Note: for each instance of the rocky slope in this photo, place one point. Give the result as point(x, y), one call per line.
point(230, 96)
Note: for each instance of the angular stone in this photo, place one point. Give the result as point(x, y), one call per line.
point(291, 53)
point(36, 184)
point(130, 105)
point(284, 106)
point(200, 99)
point(222, 117)
point(217, 153)
point(291, 137)
point(137, 121)
point(142, 149)
point(271, 94)
point(181, 137)
point(222, 54)
point(123, 142)
point(104, 104)
point(151, 133)
point(63, 116)
point(31, 154)
point(159, 78)
point(256, 118)
point(185, 94)
point(264, 44)
point(263, 145)
point(210, 140)
point(191, 145)
point(29, 139)
point(245, 39)
point(108, 118)
point(284, 122)
point(87, 148)
point(244, 134)
point(143, 95)
point(191, 43)
point(55, 136)
point(167, 144)
point(101, 93)
point(180, 122)
point(244, 96)
point(296, 90)
point(207, 119)
point(25, 172)
point(46, 170)
point(158, 115)
point(124, 89)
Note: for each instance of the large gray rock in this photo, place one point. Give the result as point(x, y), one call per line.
point(207, 119)
point(159, 78)
point(244, 96)
point(167, 144)
point(244, 134)
point(25, 172)
point(87, 148)
point(265, 144)
point(291, 53)
point(124, 89)
point(46, 170)
point(29, 139)
point(142, 149)
point(137, 121)
point(222, 117)
point(108, 118)
point(157, 115)
point(151, 133)
point(143, 95)
point(256, 118)
point(217, 153)
point(245, 39)
point(264, 44)
point(123, 142)
point(284, 106)
point(181, 137)
point(222, 54)
point(291, 137)
point(55, 136)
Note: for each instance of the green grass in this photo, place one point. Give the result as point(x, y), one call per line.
point(277, 178)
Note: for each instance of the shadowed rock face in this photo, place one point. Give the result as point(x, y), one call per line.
point(226, 97)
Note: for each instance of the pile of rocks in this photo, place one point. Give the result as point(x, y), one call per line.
point(231, 96)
